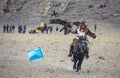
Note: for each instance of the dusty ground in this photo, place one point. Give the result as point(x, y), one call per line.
point(104, 50)
point(14, 63)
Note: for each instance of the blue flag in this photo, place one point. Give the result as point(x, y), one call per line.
point(35, 53)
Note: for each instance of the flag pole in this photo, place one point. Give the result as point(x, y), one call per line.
point(30, 74)
point(34, 54)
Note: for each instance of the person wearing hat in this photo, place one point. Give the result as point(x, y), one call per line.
point(81, 32)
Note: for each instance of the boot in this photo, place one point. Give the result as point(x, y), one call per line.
point(69, 55)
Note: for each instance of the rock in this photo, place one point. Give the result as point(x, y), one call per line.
point(62, 60)
point(102, 58)
point(88, 71)
point(115, 14)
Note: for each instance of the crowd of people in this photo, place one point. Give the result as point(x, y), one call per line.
point(22, 28)
point(11, 28)
point(8, 28)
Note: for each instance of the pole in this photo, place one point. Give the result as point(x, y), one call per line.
point(30, 75)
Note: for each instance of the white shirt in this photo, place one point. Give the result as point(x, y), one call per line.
point(80, 33)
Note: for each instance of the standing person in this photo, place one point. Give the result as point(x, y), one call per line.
point(42, 27)
point(51, 29)
point(95, 27)
point(57, 29)
point(7, 28)
point(13, 28)
point(19, 28)
point(46, 28)
point(10, 28)
point(4, 28)
point(24, 28)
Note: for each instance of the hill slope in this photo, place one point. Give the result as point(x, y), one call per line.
point(34, 11)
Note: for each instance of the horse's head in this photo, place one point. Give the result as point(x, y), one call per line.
point(83, 43)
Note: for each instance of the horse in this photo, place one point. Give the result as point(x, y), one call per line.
point(79, 52)
point(41, 29)
point(48, 28)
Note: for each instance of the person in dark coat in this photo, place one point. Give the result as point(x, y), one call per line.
point(13, 28)
point(10, 28)
point(19, 28)
point(4, 28)
point(95, 27)
point(7, 28)
point(24, 28)
point(57, 29)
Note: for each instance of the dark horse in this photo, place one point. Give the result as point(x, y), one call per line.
point(79, 51)
point(47, 28)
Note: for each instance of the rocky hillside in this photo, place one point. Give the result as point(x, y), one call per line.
point(35, 11)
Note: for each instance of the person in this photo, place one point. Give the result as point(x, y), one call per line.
point(42, 25)
point(7, 28)
point(57, 29)
point(24, 28)
point(4, 28)
point(13, 28)
point(10, 28)
point(45, 26)
point(81, 32)
point(20, 28)
point(95, 27)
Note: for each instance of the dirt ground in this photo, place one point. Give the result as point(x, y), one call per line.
point(103, 61)
point(14, 62)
